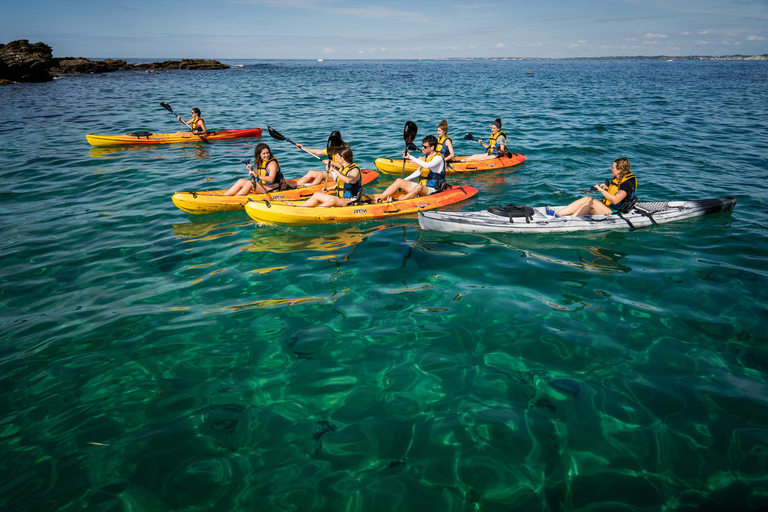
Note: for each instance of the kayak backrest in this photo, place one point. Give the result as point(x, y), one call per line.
point(513, 211)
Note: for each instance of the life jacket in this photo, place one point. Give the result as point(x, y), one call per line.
point(335, 157)
point(613, 188)
point(430, 178)
point(492, 142)
point(193, 124)
point(349, 190)
point(263, 174)
point(441, 147)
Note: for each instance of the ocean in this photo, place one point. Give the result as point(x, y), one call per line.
point(152, 360)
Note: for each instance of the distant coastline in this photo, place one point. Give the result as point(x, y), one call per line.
point(636, 57)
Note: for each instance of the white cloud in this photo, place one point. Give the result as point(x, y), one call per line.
point(703, 32)
point(650, 42)
point(383, 49)
point(651, 35)
point(732, 43)
point(702, 42)
point(686, 33)
point(755, 38)
point(631, 39)
point(581, 41)
point(501, 45)
point(328, 50)
point(472, 46)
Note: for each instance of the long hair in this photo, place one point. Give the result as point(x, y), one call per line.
point(196, 111)
point(257, 153)
point(444, 125)
point(346, 153)
point(623, 165)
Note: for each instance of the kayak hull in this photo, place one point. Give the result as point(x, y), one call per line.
point(395, 166)
point(265, 212)
point(640, 216)
point(212, 201)
point(168, 138)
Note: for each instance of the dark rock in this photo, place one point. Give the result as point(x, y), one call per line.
point(24, 62)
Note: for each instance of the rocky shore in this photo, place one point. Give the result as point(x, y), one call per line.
point(21, 61)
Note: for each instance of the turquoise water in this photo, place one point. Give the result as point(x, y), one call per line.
point(154, 360)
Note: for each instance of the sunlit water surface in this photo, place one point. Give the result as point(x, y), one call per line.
point(155, 360)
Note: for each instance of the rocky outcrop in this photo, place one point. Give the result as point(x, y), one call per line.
point(21, 61)
point(24, 62)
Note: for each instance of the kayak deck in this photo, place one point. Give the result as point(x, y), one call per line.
point(212, 201)
point(395, 166)
point(168, 138)
point(266, 212)
point(642, 215)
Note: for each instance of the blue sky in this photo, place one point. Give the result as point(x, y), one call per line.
point(344, 29)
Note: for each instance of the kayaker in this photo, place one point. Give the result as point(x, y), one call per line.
point(497, 145)
point(196, 124)
point(349, 183)
point(444, 142)
point(315, 177)
point(618, 194)
point(431, 173)
point(265, 177)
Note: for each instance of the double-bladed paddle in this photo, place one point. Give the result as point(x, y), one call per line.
point(409, 134)
point(277, 135)
point(468, 136)
point(169, 109)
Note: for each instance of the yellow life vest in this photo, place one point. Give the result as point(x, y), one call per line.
point(349, 190)
point(613, 189)
point(441, 148)
point(193, 124)
point(492, 141)
point(429, 177)
point(264, 174)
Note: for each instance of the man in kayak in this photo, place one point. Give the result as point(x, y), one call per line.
point(349, 183)
point(444, 142)
point(496, 147)
point(316, 177)
point(618, 194)
point(431, 173)
point(266, 177)
point(196, 124)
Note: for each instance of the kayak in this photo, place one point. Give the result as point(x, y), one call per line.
point(212, 201)
point(266, 212)
point(395, 166)
point(642, 215)
point(167, 138)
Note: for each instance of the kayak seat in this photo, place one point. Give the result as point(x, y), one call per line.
point(139, 135)
point(512, 211)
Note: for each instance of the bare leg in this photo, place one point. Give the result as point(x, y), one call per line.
point(478, 158)
point(240, 188)
point(399, 184)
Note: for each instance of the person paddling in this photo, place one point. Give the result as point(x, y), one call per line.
point(349, 183)
point(196, 124)
point(497, 145)
point(266, 177)
point(618, 194)
point(315, 177)
point(431, 173)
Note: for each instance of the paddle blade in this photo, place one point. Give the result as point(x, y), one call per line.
point(412, 147)
point(246, 161)
point(468, 136)
point(334, 144)
point(166, 106)
point(409, 132)
point(274, 134)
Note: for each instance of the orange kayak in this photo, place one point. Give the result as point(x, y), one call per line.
point(167, 138)
point(267, 212)
point(212, 201)
point(395, 166)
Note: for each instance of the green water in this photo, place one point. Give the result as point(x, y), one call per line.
point(155, 360)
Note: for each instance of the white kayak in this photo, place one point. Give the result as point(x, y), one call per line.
point(641, 215)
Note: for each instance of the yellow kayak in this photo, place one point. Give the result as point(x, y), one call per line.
point(267, 212)
point(167, 138)
point(212, 201)
point(395, 166)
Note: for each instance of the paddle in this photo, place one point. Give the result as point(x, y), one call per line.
point(277, 135)
point(169, 109)
point(593, 188)
point(247, 162)
point(333, 145)
point(409, 134)
point(469, 136)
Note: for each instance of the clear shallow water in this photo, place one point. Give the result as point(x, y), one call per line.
point(222, 366)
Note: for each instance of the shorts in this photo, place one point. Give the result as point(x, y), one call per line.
point(430, 190)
